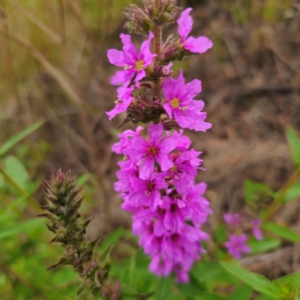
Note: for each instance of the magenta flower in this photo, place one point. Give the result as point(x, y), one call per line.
point(184, 169)
point(132, 62)
point(180, 104)
point(123, 102)
point(174, 216)
point(197, 207)
point(256, 229)
point(233, 220)
point(195, 45)
point(237, 245)
point(124, 145)
point(157, 148)
point(161, 266)
point(147, 191)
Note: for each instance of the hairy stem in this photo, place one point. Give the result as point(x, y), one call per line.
point(156, 45)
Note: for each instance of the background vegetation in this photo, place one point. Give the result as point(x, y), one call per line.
point(54, 92)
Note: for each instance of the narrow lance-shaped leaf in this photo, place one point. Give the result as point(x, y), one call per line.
point(292, 193)
point(20, 136)
point(243, 292)
point(61, 262)
point(253, 189)
point(267, 244)
point(294, 143)
point(18, 173)
point(282, 231)
point(129, 271)
point(257, 281)
point(163, 287)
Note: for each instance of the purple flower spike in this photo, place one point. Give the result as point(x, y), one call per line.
point(237, 245)
point(157, 176)
point(180, 104)
point(195, 45)
point(132, 62)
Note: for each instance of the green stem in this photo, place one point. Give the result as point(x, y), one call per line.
point(277, 203)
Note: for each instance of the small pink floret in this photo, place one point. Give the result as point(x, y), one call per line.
point(195, 45)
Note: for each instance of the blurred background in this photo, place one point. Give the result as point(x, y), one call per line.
point(55, 84)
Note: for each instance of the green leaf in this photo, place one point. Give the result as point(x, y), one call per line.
point(282, 231)
point(195, 287)
point(7, 218)
point(243, 292)
point(297, 297)
point(264, 245)
point(252, 190)
point(2, 182)
point(128, 292)
point(146, 296)
point(145, 281)
point(292, 193)
point(262, 297)
point(294, 143)
point(80, 291)
point(211, 274)
point(209, 296)
point(26, 226)
point(257, 281)
point(129, 271)
point(18, 173)
point(164, 285)
point(20, 203)
point(289, 282)
point(81, 180)
point(220, 233)
point(20, 136)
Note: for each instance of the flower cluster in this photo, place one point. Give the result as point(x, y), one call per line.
point(157, 176)
point(237, 223)
point(157, 183)
point(137, 67)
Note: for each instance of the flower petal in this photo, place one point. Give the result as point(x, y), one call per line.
point(146, 168)
point(116, 57)
point(156, 133)
point(164, 161)
point(168, 109)
point(168, 89)
point(139, 75)
point(145, 53)
point(185, 23)
point(131, 54)
point(198, 45)
point(193, 88)
point(122, 77)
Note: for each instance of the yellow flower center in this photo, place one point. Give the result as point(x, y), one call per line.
point(174, 168)
point(139, 65)
point(175, 103)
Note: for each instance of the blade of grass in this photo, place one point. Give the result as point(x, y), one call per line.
point(55, 73)
point(33, 202)
point(19, 137)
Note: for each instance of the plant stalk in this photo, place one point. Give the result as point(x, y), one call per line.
point(277, 203)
